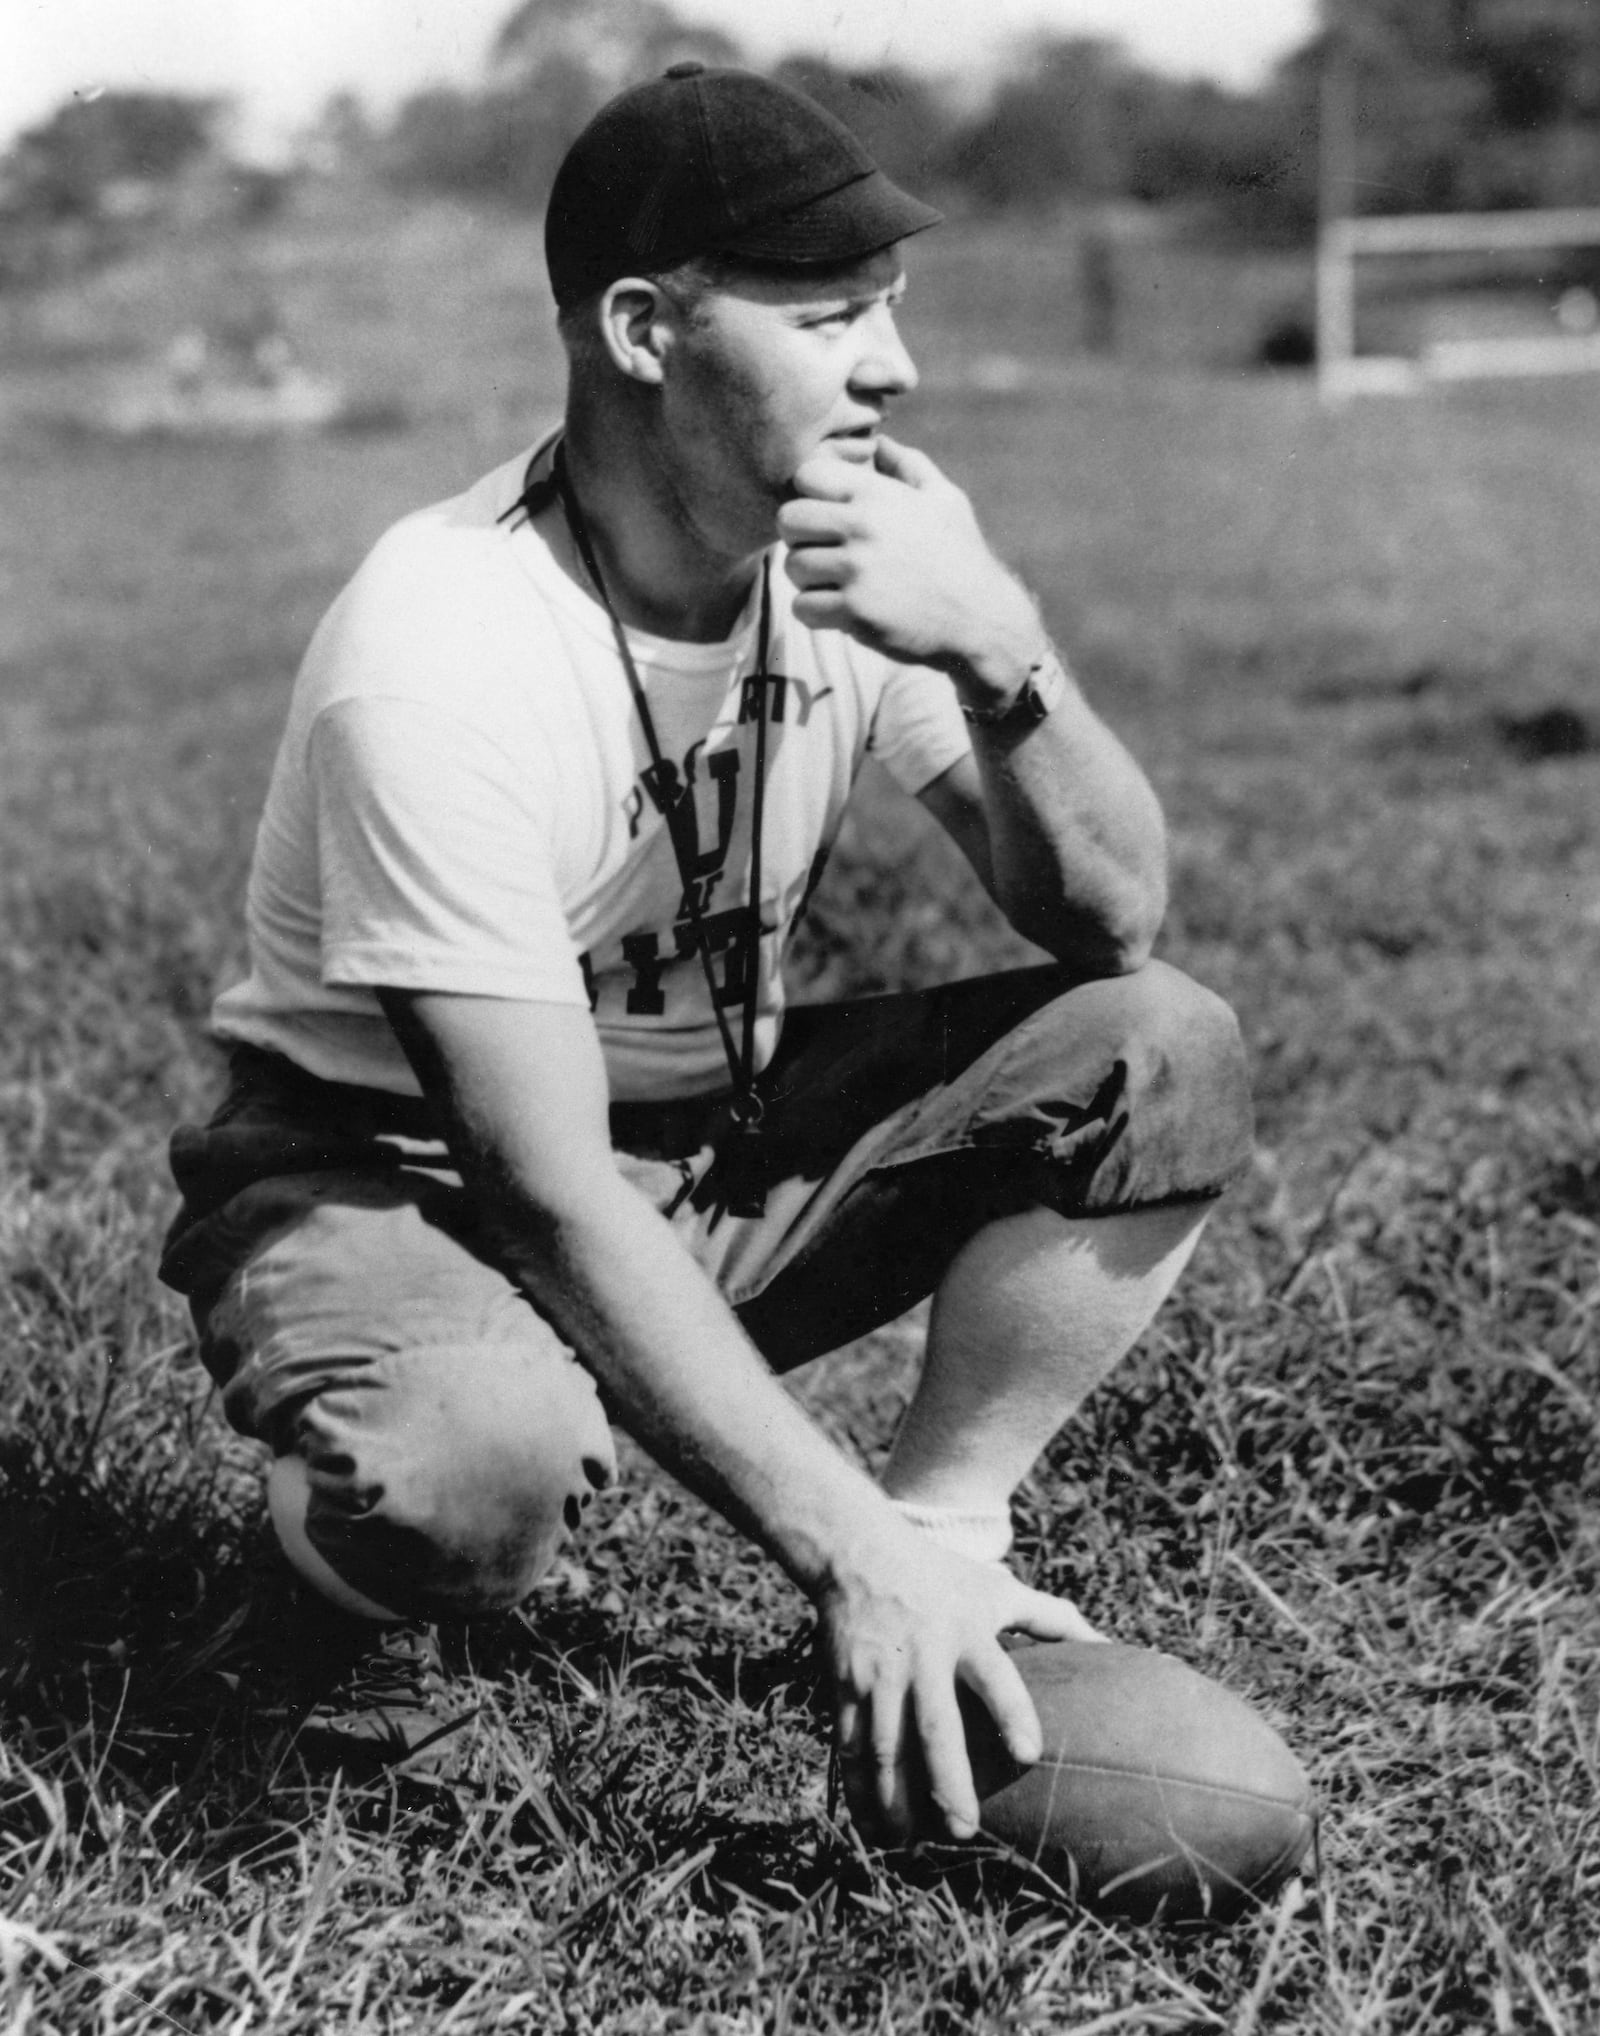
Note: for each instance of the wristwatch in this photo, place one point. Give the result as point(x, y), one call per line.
point(1039, 692)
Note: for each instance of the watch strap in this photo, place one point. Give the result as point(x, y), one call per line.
point(1028, 706)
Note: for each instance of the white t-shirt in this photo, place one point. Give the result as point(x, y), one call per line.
point(459, 804)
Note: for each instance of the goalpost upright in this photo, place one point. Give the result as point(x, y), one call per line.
point(1343, 240)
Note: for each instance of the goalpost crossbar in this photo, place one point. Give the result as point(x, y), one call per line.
point(1342, 372)
point(1466, 232)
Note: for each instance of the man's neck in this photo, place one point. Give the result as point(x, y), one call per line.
point(661, 572)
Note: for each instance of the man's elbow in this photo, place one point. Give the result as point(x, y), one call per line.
point(1112, 935)
point(1125, 953)
point(1117, 950)
point(1131, 935)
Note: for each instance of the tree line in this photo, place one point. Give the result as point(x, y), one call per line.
point(1457, 104)
point(1069, 118)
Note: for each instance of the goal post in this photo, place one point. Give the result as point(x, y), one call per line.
point(1347, 245)
point(1344, 242)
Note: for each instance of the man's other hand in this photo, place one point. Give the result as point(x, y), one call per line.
point(892, 554)
point(900, 1633)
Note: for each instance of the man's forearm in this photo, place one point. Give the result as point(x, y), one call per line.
point(642, 1316)
point(1075, 834)
point(1070, 841)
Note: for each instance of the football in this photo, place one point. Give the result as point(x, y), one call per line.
point(1160, 1796)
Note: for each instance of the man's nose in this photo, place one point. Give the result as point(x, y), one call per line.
point(884, 367)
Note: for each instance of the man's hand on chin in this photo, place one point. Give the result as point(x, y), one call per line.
point(890, 551)
point(901, 1629)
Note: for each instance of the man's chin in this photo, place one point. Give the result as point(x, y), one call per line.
point(856, 449)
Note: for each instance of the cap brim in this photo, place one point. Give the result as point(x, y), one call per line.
point(856, 220)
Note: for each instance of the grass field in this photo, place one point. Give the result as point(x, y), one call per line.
point(1352, 1471)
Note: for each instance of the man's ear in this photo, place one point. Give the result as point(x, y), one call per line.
point(633, 322)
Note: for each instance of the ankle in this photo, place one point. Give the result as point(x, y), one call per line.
point(979, 1534)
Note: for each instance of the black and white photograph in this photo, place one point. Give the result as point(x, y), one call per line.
point(799, 1064)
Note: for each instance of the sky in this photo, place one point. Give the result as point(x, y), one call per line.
point(280, 59)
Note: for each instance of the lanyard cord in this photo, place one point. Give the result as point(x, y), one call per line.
point(659, 780)
point(749, 1097)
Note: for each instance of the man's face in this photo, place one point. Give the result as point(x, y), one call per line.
point(768, 370)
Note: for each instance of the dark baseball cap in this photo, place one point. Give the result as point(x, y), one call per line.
point(716, 162)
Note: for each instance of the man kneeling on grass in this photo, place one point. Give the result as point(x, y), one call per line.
point(519, 1135)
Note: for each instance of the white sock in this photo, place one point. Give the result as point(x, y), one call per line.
point(981, 1537)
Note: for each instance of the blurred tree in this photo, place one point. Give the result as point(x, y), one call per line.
point(551, 66)
point(65, 167)
point(902, 118)
point(1080, 118)
point(1461, 103)
point(470, 142)
point(618, 42)
point(1055, 125)
point(1466, 104)
point(1191, 139)
point(340, 138)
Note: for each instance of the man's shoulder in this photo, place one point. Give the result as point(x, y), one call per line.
point(437, 609)
point(430, 549)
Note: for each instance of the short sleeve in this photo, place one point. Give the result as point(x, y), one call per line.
point(434, 863)
point(917, 731)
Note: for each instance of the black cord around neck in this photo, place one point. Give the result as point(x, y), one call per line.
point(668, 793)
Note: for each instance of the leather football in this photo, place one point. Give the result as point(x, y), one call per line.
point(1159, 1795)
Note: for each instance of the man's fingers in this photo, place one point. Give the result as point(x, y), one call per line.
point(871, 1738)
point(888, 1752)
point(905, 463)
point(944, 1751)
point(828, 478)
point(815, 565)
point(1047, 1618)
point(826, 608)
point(993, 1676)
point(856, 1770)
point(805, 521)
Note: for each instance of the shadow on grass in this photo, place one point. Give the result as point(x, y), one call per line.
point(120, 1623)
point(1571, 1187)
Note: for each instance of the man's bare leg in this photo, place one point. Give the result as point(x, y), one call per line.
point(1032, 1314)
